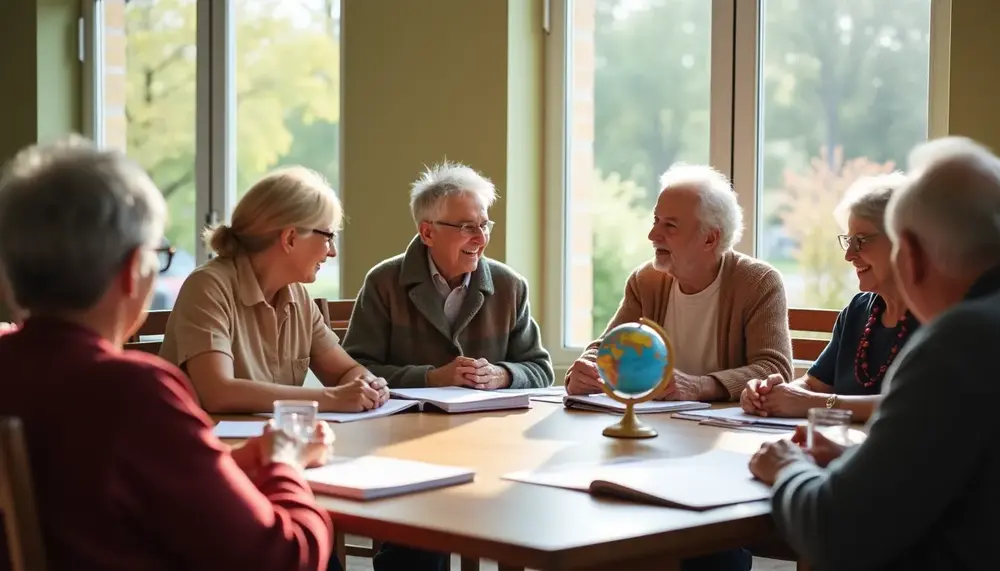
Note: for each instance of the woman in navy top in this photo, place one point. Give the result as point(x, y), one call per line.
point(869, 332)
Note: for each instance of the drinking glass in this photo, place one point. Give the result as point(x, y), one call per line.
point(833, 423)
point(297, 419)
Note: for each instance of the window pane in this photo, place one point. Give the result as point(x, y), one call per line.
point(149, 111)
point(845, 90)
point(288, 96)
point(639, 73)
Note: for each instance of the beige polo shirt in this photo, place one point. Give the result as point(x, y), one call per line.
point(221, 308)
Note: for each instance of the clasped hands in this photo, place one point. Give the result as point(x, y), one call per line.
point(276, 446)
point(583, 378)
point(469, 372)
point(363, 392)
point(774, 397)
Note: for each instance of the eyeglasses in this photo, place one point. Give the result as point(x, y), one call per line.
point(331, 237)
point(854, 242)
point(468, 228)
point(165, 255)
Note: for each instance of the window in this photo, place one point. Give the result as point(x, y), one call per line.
point(146, 107)
point(793, 99)
point(844, 93)
point(288, 96)
point(208, 97)
point(639, 81)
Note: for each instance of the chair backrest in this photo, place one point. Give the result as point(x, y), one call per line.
point(811, 330)
point(17, 499)
point(336, 314)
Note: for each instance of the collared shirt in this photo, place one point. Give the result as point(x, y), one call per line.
point(221, 308)
point(453, 298)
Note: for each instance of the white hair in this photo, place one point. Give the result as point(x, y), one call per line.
point(70, 215)
point(719, 209)
point(951, 204)
point(868, 197)
point(443, 180)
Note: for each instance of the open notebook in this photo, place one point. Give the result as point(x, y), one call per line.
point(604, 403)
point(372, 477)
point(734, 417)
point(459, 399)
point(390, 407)
point(709, 480)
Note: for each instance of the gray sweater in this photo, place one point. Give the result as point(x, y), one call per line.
point(923, 491)
point(399, 330)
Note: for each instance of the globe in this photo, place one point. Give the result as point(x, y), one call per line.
point(632, 358)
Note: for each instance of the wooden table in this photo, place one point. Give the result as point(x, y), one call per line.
point(522, 525)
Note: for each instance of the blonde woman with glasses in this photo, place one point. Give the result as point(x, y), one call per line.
point(244, 327)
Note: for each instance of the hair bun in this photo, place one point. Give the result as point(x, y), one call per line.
point(222, 240)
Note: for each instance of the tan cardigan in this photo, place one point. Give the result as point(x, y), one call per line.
point(754, 340)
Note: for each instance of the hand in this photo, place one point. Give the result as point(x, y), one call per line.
point(378, 384)
point(353, 396)
point(282, 448)
point(789, 400)
point(772, 457)
point(582, 378)
point(750, 398)
point(449, 375)
point(4, 326)
point(681, 387)
point(485, 376)
point(823, 450)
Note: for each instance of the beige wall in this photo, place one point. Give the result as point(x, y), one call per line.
point(425, 81)
point(974, 93)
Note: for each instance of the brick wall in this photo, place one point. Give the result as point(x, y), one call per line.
point(580, 239)
point(115, 41)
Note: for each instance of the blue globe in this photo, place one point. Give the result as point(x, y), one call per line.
point(631, 358)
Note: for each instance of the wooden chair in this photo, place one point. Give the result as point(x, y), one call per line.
point(155, 324)
point(17, 499)
point(811, 329)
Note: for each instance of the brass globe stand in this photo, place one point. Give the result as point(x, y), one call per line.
point(630, 426)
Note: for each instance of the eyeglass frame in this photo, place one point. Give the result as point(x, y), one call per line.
point(468, 228)
point(858, 241)
point(331, 237)
point(169, 251)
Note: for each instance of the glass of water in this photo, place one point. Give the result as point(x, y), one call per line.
point(296, 419)
point(833, 423)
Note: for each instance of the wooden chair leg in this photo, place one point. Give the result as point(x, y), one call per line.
point(340, 548)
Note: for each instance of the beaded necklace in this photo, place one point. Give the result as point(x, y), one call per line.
point(862, 372)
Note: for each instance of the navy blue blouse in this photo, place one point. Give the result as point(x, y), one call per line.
point(836, 364)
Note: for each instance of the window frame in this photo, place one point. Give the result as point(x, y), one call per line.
point(734, 137)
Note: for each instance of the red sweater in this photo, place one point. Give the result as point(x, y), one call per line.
point(128, 474)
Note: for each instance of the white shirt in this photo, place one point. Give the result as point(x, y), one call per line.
point(692, 322)
point(453, 298)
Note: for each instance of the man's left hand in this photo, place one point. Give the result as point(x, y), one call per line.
point(772, 457)
point(487, 376)
point(377, 383)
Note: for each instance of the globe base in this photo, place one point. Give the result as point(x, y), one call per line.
point(629, 426)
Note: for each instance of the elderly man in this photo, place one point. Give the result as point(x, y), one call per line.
point(126, 469)
point(442, 314)
point(725, 312)
point(924, 482)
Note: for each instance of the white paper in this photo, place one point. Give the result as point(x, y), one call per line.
point(535, 393)
point(390, 407)
point(448, 394)
point(734, 415)
point(370, 477)
point(604, 403)
point(239, 428)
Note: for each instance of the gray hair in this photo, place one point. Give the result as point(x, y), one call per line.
point(951, 204)
point(443, 180)
point(70, 215)
point(719, 209)
point(868, 197)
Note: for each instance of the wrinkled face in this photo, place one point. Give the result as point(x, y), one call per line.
point(680, 244)
point(458, 236)
point(868, 250)
point(307, 250)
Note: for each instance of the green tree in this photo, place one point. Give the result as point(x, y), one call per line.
point(287, 84)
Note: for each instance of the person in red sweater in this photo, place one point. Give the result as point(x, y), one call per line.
point(127, 472)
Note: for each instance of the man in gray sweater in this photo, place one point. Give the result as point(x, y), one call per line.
point(923, 490)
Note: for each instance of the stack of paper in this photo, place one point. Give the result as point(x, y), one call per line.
point(459, 399)
point(734, 417)
point(390, 407)
point(713, 479)
point(604, 403)
point(371, 477)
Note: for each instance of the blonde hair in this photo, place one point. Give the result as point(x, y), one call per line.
point(288, 197)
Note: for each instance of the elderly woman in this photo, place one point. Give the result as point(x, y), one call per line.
point(245, 329)
point(443, 314)
point(79, 236)
point(869, 332)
